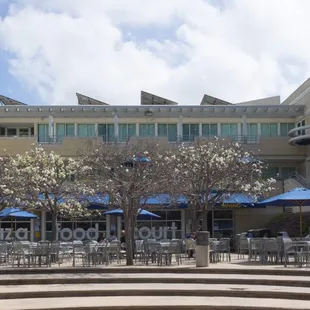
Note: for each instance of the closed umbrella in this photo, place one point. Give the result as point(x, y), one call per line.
point(297, 197)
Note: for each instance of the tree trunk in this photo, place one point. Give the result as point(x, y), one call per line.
point(54, 226)
point(204, 217)
point(129, 245)
point(195, 224)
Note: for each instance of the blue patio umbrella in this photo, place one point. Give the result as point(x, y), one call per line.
point(17, 213)
point(241, 200)
point(296, 197)
point(142, 214)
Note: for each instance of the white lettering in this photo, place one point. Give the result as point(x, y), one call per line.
point(66, 234)
point(79, 234)
point(8, 237)
point(21, 234)
point(145, 233)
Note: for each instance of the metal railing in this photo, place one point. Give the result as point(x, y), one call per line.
point(300, 179)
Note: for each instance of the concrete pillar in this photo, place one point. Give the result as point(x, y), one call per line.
point(200, 129)
point(156, 129)
point(180, 128)
point(32, 230)
point(108, 225)
point(219, 129)
point(75, 129)
point(51, 127)
point(43, 225)
point(119, 226)
point(244, 125)
point(137, 129)
point(183, 224)
point(115, 125)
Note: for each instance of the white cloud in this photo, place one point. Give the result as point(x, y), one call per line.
point(177, 49)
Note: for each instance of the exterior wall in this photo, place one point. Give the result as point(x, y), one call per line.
point(254, 218)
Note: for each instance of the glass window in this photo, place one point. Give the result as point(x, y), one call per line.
point(271, 172)
point(70, 130)
point(269, 130)
point(42, 132)
point(146, 130)
point(168, 130)
point(23, 132)
point(190, 131)
point(11, 132)
point(126, 131)
point(287, 172)
point(285, 128)
point(106, 131)
point(86, 130)
point(209, 130)
point(229, 130)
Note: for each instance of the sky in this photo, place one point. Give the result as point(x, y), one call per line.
point(236, 50)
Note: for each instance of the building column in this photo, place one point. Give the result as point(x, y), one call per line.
point(43, 225)
point(108, 225)
point(51, 127)
point(156, 129)
point(116, 125)
point(239, 129)
point(279, 129)
point(75, 129)
point(200, 129)
point(96, 130)
point(219, 133)
point(183, 224)
point(35, 129)
point(180, 128)
point(118, 227)
point(244, 126)
point(137, 130)
point(32, 230)
point(259, 129)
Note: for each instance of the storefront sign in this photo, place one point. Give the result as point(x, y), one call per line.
point(66, 234)
point(145, 233)
point(7, 234)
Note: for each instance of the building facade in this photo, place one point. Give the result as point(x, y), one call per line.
point(277, 132)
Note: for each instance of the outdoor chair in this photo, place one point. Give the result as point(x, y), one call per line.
point(55, 249)
point(90, 256)
point(18, 254)
point(42, 252)
point(78, 252)
point(139, 250)
point(242, 247)
point(173, 249)
point(214, 257)
point(102, 253)
point(115, 251)
point(151, 251)
point(270, 251)
point(255, 250)
point(190, 247)
point(4, 253)
point(223, 249)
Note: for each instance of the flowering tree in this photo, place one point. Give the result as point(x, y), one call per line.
point(45, 182)
point(209, 171)
point(7, 183)
point(128, 174)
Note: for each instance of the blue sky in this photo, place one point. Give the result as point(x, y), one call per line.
point(177, 49)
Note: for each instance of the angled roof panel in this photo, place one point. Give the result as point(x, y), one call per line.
point(150, 99)
point(8, 101)
point(85, 100)
point(210, 100)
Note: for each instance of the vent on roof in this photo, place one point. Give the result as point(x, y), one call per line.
point(209, 100)
point(84, 100)
point(8, 101)
point(150, 99)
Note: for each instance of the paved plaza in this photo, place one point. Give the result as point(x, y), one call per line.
point(238, 284)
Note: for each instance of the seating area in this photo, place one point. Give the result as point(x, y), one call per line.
point(91, 253)
point(275, 251)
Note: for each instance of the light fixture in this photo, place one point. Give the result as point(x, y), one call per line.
point(39, 109)
point(28, 109)
point(51, 110)
point(148, 113)
point(72, 109)
point(61, 109)
point(17, 109)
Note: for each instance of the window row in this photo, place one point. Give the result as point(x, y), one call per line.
point(279, 172)
point(189, 131)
